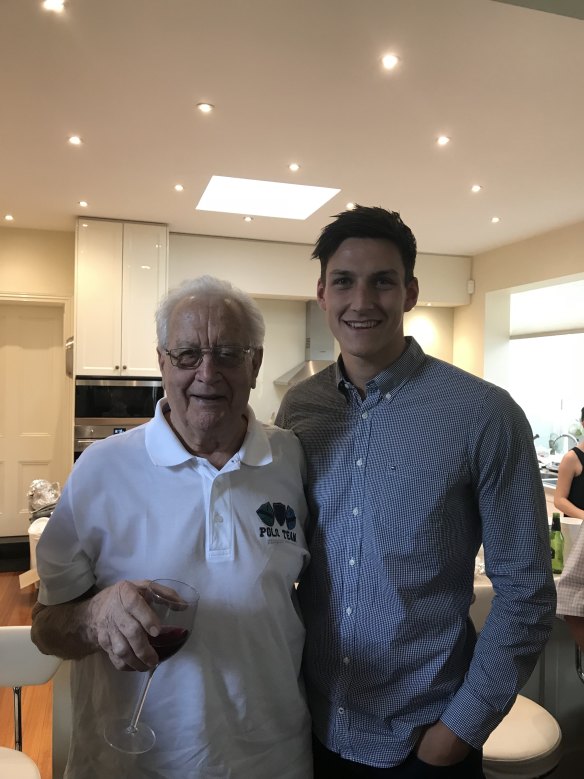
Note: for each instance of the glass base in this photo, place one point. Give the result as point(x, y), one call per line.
point(134, 741)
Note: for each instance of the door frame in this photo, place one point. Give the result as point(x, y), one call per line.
point(66, 304)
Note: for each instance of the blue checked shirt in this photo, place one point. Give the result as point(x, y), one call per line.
point(404, 485)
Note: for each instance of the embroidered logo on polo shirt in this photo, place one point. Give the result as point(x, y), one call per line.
point(275, 516)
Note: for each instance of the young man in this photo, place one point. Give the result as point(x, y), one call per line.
point(206, 494)
point(412, 464)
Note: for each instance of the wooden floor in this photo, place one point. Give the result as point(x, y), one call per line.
point(15, 608)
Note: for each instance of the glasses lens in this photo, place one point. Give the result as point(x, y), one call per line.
point(228, 356)
point(222, 356)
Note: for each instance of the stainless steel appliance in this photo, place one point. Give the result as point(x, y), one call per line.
point(107, 406)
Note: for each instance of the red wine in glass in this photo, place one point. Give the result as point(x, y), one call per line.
point(175, 604)
point(168, 641)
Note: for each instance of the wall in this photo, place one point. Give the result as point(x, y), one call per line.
point(551, 256)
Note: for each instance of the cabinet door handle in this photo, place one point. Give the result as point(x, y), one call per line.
point(124, 367)
point(116, 367)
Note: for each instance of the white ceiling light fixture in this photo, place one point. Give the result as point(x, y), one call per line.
point(205, 108)
point(442, 140)
point(75, 140)
point(9, 218)
point(228, 195)
point(57, 6)
point(83, 203)
point(178, 187)
point(248, 218)
point(495, 219)
point(350, 206)
point(294, 166)
point(389, 61)
point(476, 188)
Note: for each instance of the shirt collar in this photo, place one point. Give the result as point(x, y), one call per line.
point(164, 448)
point(394, 375)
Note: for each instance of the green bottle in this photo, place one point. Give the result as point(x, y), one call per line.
point(557, 544)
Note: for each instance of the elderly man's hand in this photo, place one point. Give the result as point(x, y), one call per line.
point(120, 620)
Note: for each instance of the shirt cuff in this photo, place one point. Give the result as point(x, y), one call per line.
point(470, 718)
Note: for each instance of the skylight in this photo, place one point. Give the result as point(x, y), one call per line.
point(263, 198)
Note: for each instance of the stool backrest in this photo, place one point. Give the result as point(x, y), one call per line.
point(21, 663)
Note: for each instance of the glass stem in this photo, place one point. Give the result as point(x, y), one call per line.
point(133, 726)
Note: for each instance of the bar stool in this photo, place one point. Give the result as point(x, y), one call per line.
point(21, 664)
point(527, 742)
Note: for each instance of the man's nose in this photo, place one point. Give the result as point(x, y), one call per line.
point(207, 370)
point(362, 297)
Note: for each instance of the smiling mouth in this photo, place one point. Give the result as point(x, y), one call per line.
point(208, 398)
point(367, 325)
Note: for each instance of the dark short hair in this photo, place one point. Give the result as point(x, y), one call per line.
point(367, 222)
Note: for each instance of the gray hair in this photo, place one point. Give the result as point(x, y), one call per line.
point(210, 287)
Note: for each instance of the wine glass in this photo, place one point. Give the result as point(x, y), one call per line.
point(175, 603)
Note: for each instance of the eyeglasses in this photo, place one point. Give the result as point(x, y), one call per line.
point(222, 356)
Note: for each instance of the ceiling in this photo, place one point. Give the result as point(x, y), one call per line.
point(294, 81)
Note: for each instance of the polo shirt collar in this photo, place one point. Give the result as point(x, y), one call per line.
point(164, 448)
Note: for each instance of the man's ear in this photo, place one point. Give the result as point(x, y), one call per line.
point(161, 358)
point(320, 287)
point(412, 292)
point(256, 362)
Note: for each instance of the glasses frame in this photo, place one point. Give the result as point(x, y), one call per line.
point(174, 355)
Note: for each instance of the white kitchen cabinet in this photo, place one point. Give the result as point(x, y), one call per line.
point(120, 275)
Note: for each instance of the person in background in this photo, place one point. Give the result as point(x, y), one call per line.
point(206, 494)
point(569, 498)
point(412, 463)
point(570, 588)
point(569, 493)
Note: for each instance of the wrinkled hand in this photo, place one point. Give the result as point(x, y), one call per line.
point(120, 621)
point(439, 746)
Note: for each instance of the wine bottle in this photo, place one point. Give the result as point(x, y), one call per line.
point(557, 544)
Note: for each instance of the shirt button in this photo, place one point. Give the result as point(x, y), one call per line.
point(359, 462)
point(218, 518)
point(351, 561)
point(349, 610)
point(341, 710)
point(364, 415)
point(355, 511)
point(346, 660)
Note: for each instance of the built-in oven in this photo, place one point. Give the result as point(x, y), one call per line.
point(106, 406)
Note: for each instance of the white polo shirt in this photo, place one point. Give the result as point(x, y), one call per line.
point(229, 705)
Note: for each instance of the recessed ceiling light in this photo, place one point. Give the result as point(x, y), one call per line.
point(248, 218)
point(205, 108)
point(443, 140)
point(75, 140)
point(389, 61)
point(146, 267)
point(294, 166)
point(54, 5)
point(179, 187)
point(495, 219)
point(83, 203)
point(84, 224)
point(476, 188)
point(263, 198)
point(350, 206)
point(9, 218)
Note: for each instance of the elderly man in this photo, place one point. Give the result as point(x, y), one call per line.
point(205, 494)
